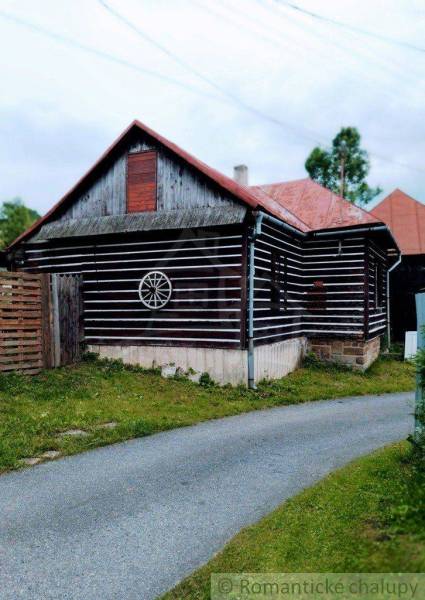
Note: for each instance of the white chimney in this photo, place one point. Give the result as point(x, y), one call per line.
point(240, 174)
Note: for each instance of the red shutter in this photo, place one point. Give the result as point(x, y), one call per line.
point(141, 182)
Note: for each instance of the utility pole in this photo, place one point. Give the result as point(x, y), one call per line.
point(342, 170)
point(420, 388)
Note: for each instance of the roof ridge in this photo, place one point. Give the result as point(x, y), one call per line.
point(405, 194)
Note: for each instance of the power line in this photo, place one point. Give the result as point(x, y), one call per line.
point(242, 27)
point(395, 162)
point(148, 38)
point(352, 28)
point(391, 67)
point(122, 62)
point(311, 136)
point(66, 41)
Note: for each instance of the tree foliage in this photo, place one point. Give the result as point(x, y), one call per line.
point(343, 168)
point(15, 218)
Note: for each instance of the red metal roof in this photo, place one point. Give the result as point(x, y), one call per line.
point(317, 206)
point(303, 204)
point(405, 217)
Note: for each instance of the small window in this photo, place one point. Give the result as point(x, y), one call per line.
point(278, 282)
point(316, 297)
point(141, 182)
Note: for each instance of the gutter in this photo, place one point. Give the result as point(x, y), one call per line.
point(354, 230)
point(394, 266)
point(280, 223)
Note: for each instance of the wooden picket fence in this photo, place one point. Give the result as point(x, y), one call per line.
point(21, 322)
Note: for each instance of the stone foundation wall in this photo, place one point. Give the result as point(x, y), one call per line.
point(358, 354)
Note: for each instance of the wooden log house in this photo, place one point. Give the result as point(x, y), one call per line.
point(181, 264)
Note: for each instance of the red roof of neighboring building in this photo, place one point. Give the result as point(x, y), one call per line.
point(317, 206)
point(304, 204)
point(405, 217)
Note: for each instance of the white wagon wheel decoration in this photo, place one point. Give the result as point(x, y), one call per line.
point(155, 290)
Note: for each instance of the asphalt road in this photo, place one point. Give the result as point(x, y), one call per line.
point(128, 521)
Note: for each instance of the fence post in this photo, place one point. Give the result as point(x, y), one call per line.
point(55, 321)
point(420, 389)
point(46, 312)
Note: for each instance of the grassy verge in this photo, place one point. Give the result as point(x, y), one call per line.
point(33, 411)
point(366, 517)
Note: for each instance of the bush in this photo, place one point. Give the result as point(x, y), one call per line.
point(420, 365)
point(412, 513)
point(205, 380)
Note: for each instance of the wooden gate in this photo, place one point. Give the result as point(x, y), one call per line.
point(66, 299)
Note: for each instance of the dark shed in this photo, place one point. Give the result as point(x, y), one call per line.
point(405, 217)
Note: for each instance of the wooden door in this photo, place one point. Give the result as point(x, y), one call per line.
point(67, 310)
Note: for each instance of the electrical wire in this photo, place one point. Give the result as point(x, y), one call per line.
point(360, 55)
point(66, 41)
point(305, 133)
point(353, 28)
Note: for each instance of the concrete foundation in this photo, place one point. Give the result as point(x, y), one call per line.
point(273, 361)
point(224, 366)
point(358, 354)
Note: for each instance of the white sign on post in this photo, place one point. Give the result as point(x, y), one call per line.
point(410, 344)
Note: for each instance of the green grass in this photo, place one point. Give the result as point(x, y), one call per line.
point(366, 517)
point(33, 410)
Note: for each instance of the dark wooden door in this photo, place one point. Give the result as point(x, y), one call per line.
point(67, 308)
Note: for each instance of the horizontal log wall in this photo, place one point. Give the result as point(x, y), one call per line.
point(333, 307)
point(377, 320)
point(21, 322)
point(340, 265)
point(271, 325)
point(204, 268)
point(207, 307)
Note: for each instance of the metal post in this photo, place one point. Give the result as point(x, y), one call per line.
point(420, 387)
point(256, 230)
point(389, 271)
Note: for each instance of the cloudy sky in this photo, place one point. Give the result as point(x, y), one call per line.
point(231, 81)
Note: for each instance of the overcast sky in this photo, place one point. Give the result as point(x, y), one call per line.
point(266, 83)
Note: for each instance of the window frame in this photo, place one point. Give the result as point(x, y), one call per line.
point(278, 281)
point(378, 280)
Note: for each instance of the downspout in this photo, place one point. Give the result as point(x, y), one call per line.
point(395, 265)
point(255, 232)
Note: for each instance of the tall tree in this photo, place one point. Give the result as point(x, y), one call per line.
point(343, 168)
point(15, 218)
